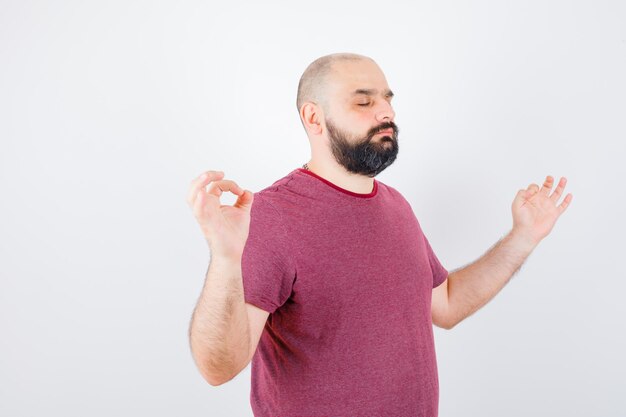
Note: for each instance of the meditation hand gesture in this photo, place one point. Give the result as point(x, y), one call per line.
point(224, 227)
point(535, 210)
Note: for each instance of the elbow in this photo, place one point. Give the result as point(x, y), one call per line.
point(446, 324)
point(215, 380)
point(450, 325)
point(219, 377)
point(453, 322)
point(218, 369)
point(210, 375)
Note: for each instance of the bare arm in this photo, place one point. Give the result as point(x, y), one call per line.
point(219, 333)
point(466, 290)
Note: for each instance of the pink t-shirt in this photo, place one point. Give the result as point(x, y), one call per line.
point(348, 281)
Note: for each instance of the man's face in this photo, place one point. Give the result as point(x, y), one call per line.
point(360, 120)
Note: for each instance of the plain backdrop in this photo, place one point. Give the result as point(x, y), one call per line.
point(109, 109)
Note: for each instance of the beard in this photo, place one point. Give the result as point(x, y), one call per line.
point(364, 156)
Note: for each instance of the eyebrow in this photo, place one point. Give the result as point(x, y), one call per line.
point(370, 92)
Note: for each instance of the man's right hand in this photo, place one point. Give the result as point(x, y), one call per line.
point(224, 227)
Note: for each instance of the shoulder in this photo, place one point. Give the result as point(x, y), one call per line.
point(403, 208)
point(392, 193)
point(270, 201)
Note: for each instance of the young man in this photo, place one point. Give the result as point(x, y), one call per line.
point(325, 279)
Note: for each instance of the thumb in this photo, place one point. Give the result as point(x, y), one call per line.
point(244, 200)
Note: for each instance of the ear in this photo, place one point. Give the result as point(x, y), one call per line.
point(311, 115)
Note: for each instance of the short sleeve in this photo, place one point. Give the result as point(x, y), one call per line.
point(267, 267)
point(439, 272)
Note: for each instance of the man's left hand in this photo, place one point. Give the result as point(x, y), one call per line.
point(535, 210)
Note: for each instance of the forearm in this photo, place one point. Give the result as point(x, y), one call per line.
point(473, 286)
point(219, 334)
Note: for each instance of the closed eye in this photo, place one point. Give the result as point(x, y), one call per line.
point(363, 104)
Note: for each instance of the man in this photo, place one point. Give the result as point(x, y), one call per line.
point(325, 280)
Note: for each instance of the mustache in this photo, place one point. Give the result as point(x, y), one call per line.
point(384, 126)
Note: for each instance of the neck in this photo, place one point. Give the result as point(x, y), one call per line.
point(338, 175)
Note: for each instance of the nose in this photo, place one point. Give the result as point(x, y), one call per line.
point(385, 113)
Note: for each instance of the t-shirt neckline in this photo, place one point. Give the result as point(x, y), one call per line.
point(343, 190)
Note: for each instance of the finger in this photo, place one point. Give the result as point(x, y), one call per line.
point(559, 190)
point(198, 204)
point(566, 201)
point(521, 197)
point(218, 187)
point(199, 184)
point(532, 189)
point(205, 207)
point(245, 200)
point(547, 185)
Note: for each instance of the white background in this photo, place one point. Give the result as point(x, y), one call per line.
point(109, 109)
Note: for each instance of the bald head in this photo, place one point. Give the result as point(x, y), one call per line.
point(314, 79)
